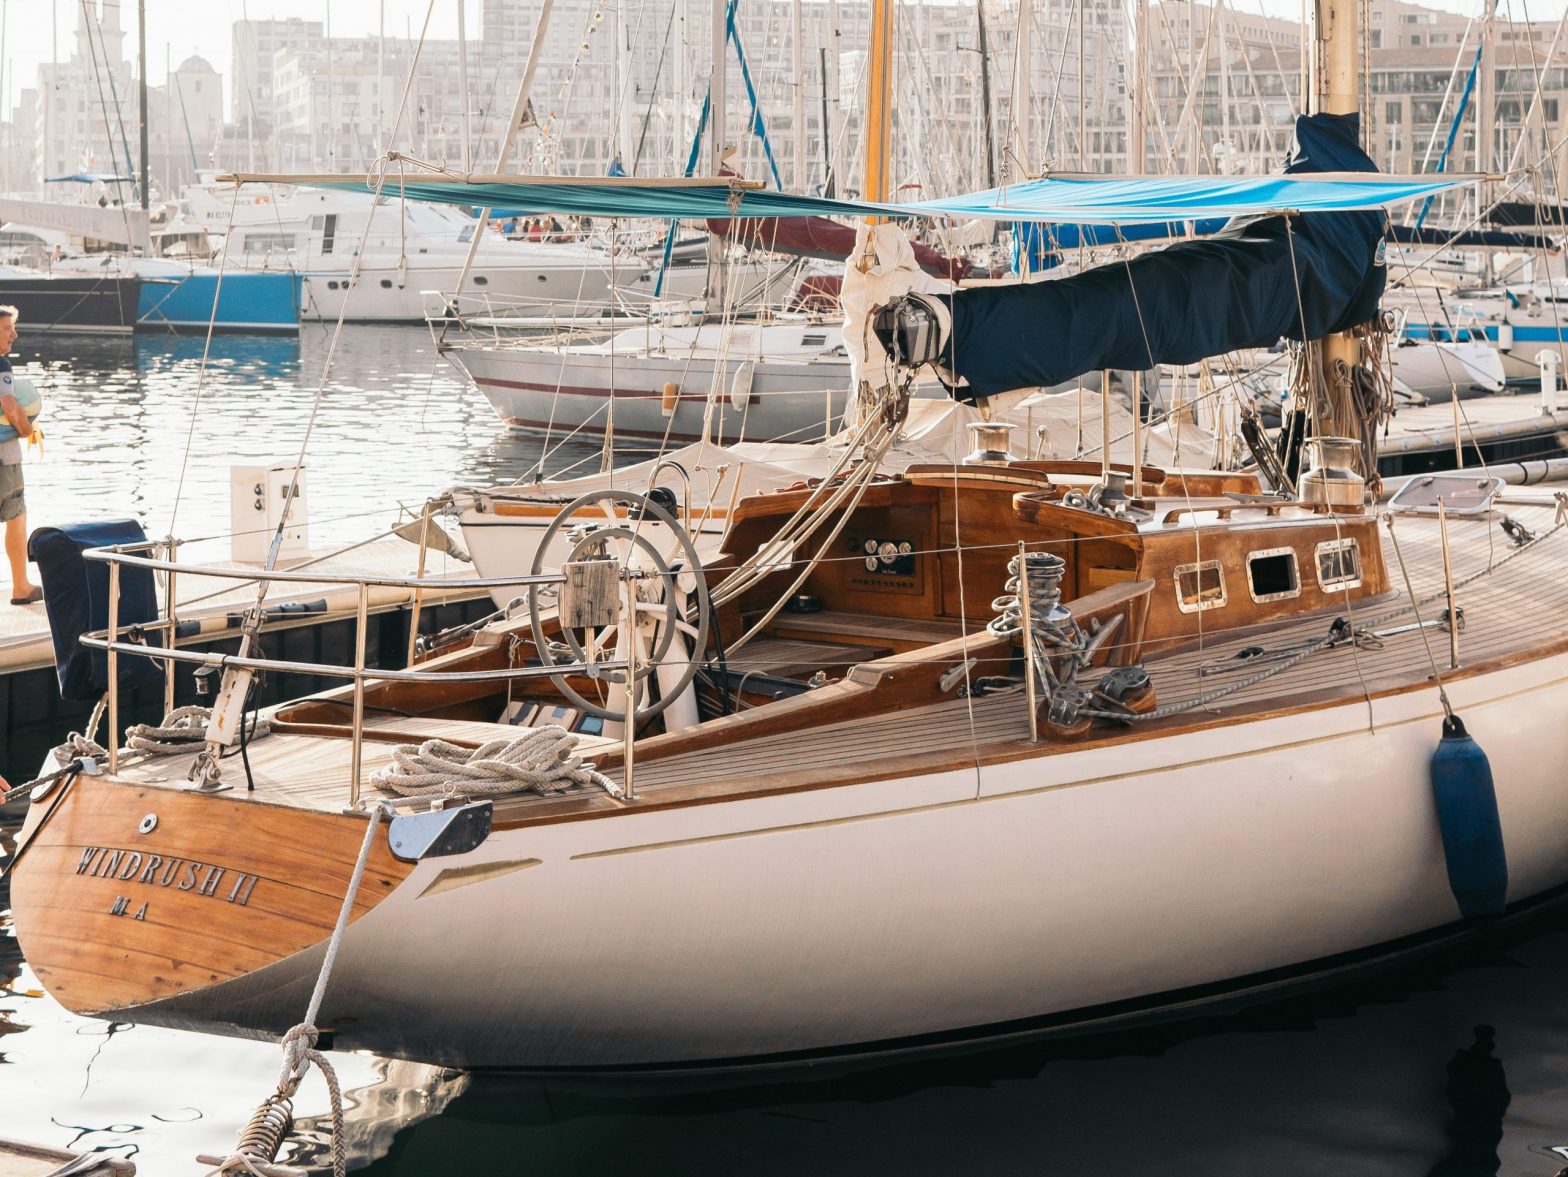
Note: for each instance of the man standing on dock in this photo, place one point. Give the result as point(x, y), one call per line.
point(13, 507)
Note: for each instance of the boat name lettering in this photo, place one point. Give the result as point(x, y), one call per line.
point(185, 874)
point(122, 906)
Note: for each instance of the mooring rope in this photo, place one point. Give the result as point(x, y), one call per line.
point(264, 1133)
point(538, 760)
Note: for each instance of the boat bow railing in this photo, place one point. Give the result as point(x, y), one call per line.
point(157, 556)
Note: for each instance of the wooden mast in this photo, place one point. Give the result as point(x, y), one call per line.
point(879, 101)
point(1336, 90)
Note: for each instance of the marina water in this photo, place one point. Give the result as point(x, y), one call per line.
point(1454, 1064)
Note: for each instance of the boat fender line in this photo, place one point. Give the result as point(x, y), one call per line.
point(1467, 814)
point(537, 760)
point(273, 1119)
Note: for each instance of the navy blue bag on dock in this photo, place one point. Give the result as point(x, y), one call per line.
point(76, 595)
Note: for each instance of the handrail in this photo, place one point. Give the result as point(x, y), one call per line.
point(122, 554)
point(110, 641)
point(99, 640)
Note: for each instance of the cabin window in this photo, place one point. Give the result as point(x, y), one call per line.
point(1200, 586)
point(1339, 565)
point(1272, 575)
point(267, 242)
point(386, 284)
point(481, 280)
point(332, 285)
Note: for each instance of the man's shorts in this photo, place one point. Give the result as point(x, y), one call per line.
point(12, 504)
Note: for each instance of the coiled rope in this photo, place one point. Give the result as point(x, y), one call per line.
point(539, 760)
point(183, 730)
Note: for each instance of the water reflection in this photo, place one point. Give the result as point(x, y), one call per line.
point(1477, 1090)
point(1361, 1079)
point(396, 423)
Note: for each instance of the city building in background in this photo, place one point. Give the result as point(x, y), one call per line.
point(621, 88)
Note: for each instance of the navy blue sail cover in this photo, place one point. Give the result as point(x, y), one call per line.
point(1249, 286)
point(76, 595)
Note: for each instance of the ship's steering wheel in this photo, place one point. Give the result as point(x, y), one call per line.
point(634, 553)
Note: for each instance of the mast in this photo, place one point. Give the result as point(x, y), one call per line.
point(1083, 97)
point(713, 294)
point(1485, 118)
point(141, 95)
point(827, 132)
point(879, 102)
point(1137, 154)
point(1336, 90)
point(986, 133)
point(798, 107)
point(1023, 55)
point(462, 85)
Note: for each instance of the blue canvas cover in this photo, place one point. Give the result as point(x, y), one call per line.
point(76, 594)
point(1250, 285)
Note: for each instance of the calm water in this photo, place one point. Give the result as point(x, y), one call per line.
point(1391, 1077)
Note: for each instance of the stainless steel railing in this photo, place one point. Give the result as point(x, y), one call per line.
point(111, 641)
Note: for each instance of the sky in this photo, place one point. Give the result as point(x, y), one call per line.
point(178, 28)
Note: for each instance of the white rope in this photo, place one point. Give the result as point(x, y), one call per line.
point(183, 730)
point(76, 746)
point(538, 760)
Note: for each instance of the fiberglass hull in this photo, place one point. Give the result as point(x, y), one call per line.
point(1045, 888)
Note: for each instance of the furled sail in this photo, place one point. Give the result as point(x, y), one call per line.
point(1297, 277)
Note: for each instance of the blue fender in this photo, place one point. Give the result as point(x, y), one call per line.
point(1472, 832)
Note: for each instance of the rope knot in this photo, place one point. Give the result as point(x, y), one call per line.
point(299, 1051)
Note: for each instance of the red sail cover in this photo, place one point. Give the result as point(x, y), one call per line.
point(821, 237)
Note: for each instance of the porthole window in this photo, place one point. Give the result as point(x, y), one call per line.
point(386, 284)
point(1272, 575)
point(332, 285)
point(1339, 565)
point(543, 278)
point(481, 280)
point(1200, 586)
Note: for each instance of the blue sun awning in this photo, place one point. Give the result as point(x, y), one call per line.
point(1128, 200)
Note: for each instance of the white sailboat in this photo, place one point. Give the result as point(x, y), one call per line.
point(969, 750)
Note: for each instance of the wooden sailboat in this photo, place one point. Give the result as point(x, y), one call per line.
point(977, 748)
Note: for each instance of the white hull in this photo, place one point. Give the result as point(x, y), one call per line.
point(739, 395)
point(1050, 887)
point(383, 293)
point(1438, 370)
